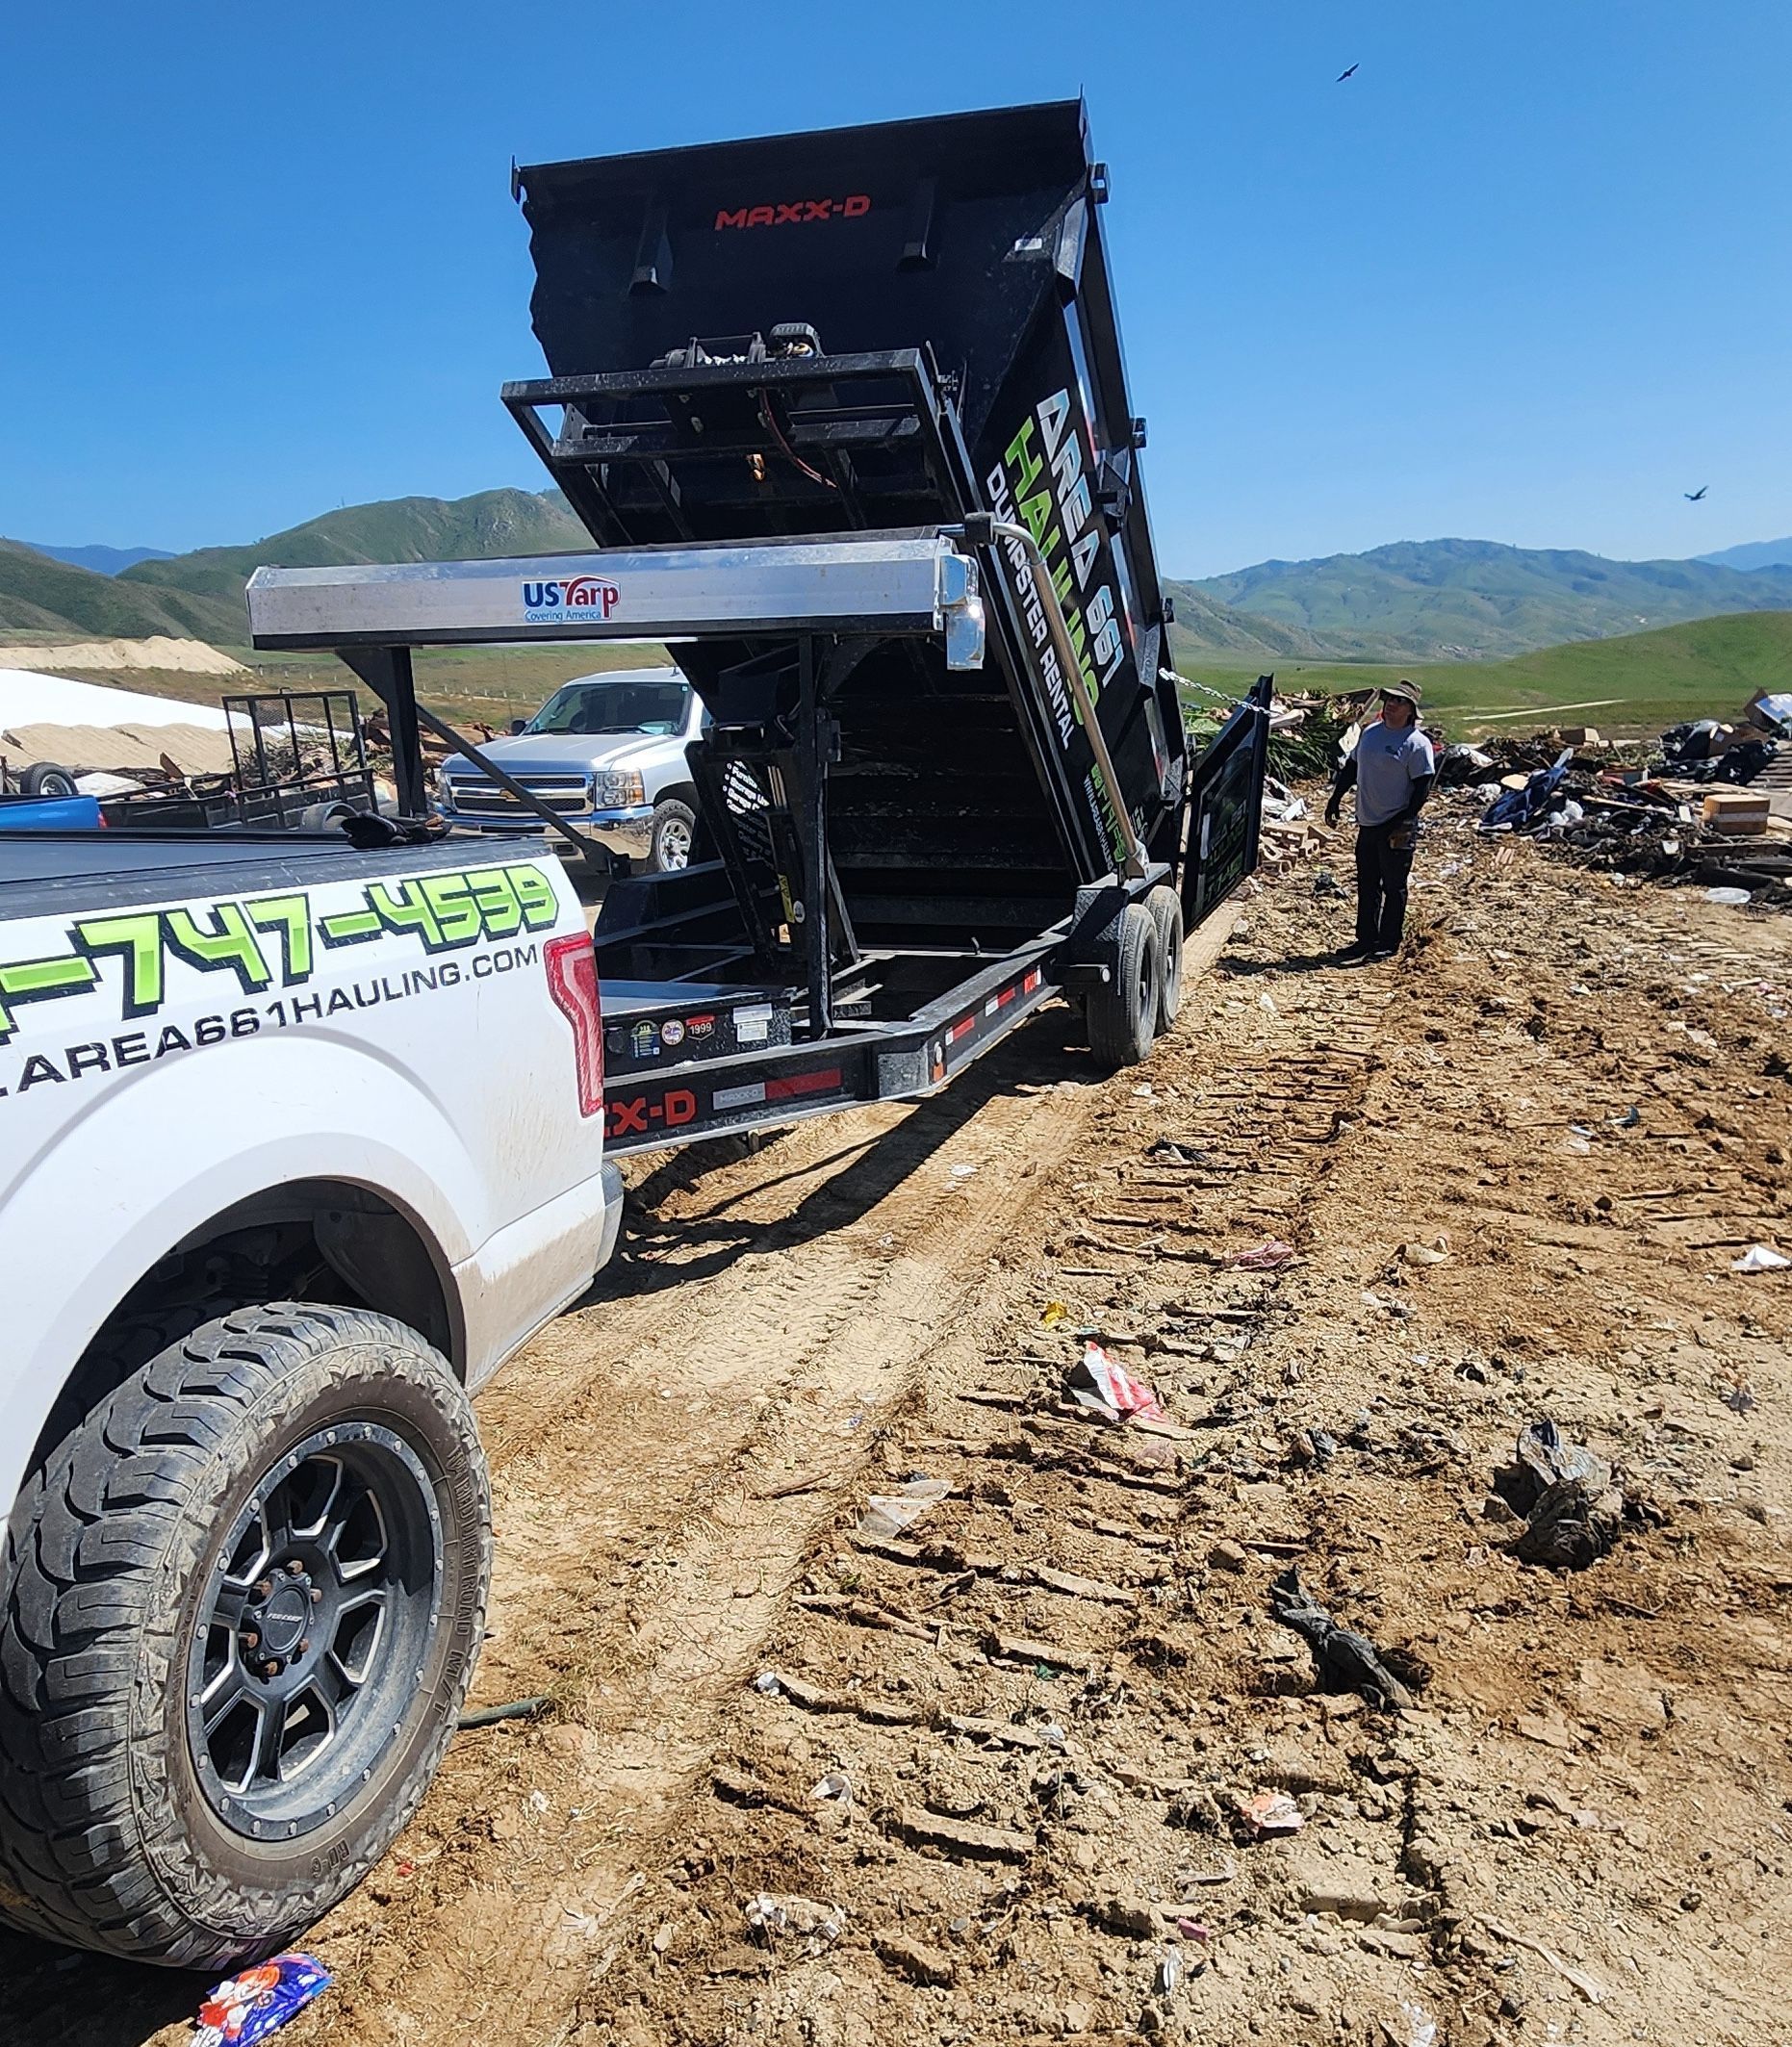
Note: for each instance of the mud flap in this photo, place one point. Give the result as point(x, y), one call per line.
point(1226, 807)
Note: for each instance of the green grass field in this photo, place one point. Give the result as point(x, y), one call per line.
point(1632, 686)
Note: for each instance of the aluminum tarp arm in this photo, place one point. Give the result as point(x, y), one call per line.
point(888, 583)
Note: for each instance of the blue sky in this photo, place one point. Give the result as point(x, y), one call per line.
point(1527, 277)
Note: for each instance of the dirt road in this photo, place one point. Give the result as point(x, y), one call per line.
point(1513, 1172)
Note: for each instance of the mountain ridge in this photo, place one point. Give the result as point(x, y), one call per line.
point(1419, 600)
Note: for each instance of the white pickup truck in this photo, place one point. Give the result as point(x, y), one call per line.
point(297, 1144)
point(608, 754)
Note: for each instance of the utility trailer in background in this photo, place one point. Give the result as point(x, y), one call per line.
point(847, 418)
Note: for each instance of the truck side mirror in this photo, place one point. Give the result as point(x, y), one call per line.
point(518, 724)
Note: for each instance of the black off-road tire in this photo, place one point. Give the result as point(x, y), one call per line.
point(1124, 1013)
point(1165, 907)
point(109, 1837)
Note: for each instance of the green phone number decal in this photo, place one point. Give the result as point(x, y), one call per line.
point(277, 940)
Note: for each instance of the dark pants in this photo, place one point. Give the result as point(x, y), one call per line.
point(1382, 870)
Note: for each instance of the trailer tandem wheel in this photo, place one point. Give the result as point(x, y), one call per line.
point(1165, 907)
point(1123, 1011)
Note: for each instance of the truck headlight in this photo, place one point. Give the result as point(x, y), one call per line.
point(618, 789)
point(438, 783)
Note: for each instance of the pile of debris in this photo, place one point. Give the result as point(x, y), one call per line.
point(1648, 810)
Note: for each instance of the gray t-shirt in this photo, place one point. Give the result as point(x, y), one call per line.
point(1388, 763)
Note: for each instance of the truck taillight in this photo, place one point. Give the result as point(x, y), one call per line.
point(572, 983)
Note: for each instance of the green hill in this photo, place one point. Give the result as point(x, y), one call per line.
point(1454, 600)
point(489, 523)
point(1638, 682)
point(39, 595)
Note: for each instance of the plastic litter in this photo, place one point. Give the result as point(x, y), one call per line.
point(836, 1785)
point(257, 2003)
point(775, 1912)
point(1345, 1661)
point(1105, 1387)
point(1760, 1257)
point(1417, 2028)
point(1572, 1507)
point(888, 1513)
point(1433, 1253)
point(1268, 1257)
point(1055, 1312)
point(1271, 1812)
point(1730, 897)
point(1170, 1971)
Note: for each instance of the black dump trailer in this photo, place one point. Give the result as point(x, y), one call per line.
point(820, 350)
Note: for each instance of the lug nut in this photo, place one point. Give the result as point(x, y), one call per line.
point(250, 1639)
point(272, 1667)
point(265, 1590)
point(317, 1594)
point(304, 1648)
point(296, 1570)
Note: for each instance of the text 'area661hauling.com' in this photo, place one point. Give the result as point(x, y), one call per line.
point(125, 988)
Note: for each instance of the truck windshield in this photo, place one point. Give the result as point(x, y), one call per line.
point(615, 705)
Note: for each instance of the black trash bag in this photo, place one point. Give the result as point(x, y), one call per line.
point(1572, 1505)
point(1345, 1661)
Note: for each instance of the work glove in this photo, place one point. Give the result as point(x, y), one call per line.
point(1331, 812)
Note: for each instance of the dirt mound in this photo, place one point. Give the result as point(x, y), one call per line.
point(119, 748)
point(188, 657)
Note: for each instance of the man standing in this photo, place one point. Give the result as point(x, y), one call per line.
point(1391, 770)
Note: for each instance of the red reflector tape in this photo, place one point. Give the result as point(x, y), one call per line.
point(959, 1030)
point(781, 1090)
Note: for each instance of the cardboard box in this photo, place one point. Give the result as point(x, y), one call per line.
point(1736, 813)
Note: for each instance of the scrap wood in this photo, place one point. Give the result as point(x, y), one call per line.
point(1593, 1992)
point(1022, 1649)
point(863, 1614)
point(818, 1698)
point(1077, 1587)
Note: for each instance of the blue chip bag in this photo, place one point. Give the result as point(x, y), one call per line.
point(256, 2003)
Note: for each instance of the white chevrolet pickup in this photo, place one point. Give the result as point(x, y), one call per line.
point(298, 1144)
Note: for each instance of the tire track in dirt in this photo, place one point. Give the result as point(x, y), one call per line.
point(782, 1363)
point(663, 1457)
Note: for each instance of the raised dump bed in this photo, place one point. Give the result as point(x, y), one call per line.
point(846, 417)
point(900, 326)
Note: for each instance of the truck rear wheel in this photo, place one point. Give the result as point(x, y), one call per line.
point(243, 1598)
point(1124, 1013)
point(1165, 907)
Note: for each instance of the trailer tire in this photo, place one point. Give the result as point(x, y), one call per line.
point(292, 1482)
point(1165, 907)
point(1123, 1013)
point(45, 777)
point(670, 836)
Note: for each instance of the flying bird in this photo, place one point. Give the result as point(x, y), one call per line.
point(1693, 497)
point(1350, 73)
